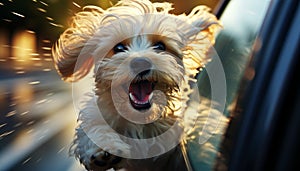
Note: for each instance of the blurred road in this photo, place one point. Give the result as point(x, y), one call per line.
point(37, 122)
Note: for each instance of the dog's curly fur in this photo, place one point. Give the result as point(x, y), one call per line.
point(171, 47)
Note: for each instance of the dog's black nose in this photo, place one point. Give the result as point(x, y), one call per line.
point(141, 65)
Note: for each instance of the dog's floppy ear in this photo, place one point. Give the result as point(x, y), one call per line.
point(200, 35)
point(72, 52)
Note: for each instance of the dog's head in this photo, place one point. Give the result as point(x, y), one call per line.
point(138, 50)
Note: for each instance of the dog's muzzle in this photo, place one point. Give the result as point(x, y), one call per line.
point(141, 89)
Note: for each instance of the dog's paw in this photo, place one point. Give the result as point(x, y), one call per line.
point(103, 160)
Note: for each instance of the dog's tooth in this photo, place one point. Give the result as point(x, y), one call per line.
point(132, 97)
point(150, 96)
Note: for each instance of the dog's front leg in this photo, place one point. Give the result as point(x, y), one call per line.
point(95, 158)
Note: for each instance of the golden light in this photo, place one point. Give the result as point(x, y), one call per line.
point(23, 46)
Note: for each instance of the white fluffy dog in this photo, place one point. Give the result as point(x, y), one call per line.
point(145, 60)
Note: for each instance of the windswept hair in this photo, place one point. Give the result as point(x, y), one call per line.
point(96, 29)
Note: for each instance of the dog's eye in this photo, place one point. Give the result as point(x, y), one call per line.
point(120, 48)
point(159, 46)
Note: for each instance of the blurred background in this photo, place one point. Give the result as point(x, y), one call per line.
point(37, 118)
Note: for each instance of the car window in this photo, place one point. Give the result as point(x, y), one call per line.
point(242, 20)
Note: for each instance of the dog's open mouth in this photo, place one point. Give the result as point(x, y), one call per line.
point(140, 94)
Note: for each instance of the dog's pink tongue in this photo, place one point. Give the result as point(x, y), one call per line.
point(141, 90)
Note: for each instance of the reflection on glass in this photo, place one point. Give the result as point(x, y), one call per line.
point(241, 21)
